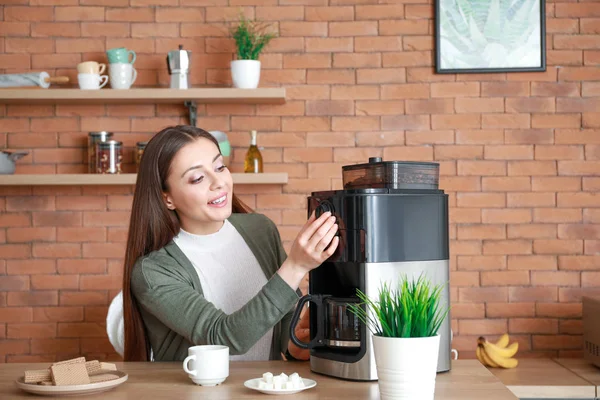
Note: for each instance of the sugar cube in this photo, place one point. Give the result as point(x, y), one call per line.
point(294, 377)
point(277, 382)
point(269, 386)
point(289, 385)
point(284, 377)
point(300, 383)
point(262, 384)
point(268, 377)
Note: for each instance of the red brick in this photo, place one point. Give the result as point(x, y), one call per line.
point(481, 200)
point(331, 13)
point(569, 295)
point(28, 45)
point(509, 152)
point(402, 27)
point(464, 216)
point(479, 105)
point(362, 92)
point(426, 74)
point(378, 43)
point(38, 298)
point(504, 89)
point(458, 121)
point(14, 347)
point(28, 13)
point(378, 12)
point(481, 168)
point(578, 231)
point(315, 45)
point(430, 106)
point(590, 73)
point(555, 342)
point(578, 263)
point(326, 139)
point(531, 231)
point(509, 310)
point(556, 278)
point(99, 250)
point(379, 138)
point(529, 168)
point(557, 215)
point(79, 14)
point(554, 89)
point(80, 330)
point(572, 327)
point(418, 43)
point(346, 60)
point(557, 246)
point(28, 331)
point(74, 298)
point(568, 104)
point(15, 251)
point(405, 122)
point(482, 327)
point(589, 183)
point(58, 314)
point(54, 346)
point(528, 294)
point(509, 247)
point(538, 199)
point(558, 310)
point(405, 91)
point(382, 107)
point(533, 325)
point(131, 14)
point(577, 136)
point(450, 152)
point(481, 263)
point(105, 29)
point(348, 154)
point(478, 136)
point(468, 311)
point(14, 29)
point(379, 75)
point(514, 121)
point(26, 235)
point(562, 25)
point(456, 89)
point(56, 250)
point(101, 282)
point(564, 57)
point(578, 199)
point(461, 183)
point(504, 278)
point(487, 231)
point(511, 216)
point(576, 41)
point(407, 58)
point(559, 152)
point(409, 153)
point(107, 218)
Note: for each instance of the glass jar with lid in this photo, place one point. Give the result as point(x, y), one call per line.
point(109, 157)
point(139, 151)
point(93, 139)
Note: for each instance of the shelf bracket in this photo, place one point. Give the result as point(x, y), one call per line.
point(193, 111)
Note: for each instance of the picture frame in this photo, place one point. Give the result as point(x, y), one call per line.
point(486, 36)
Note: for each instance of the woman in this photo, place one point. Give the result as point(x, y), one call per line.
point(201, 269)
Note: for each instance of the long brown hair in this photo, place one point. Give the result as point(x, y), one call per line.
point(153, 225)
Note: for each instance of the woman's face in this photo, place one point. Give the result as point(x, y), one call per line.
point(200, 187)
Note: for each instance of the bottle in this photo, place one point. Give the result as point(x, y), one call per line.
point(253, 162)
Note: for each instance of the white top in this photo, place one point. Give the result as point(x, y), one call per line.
point(229, 275)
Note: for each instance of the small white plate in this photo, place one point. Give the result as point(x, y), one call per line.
point(253, 384)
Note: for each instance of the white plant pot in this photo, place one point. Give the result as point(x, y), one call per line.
point(406, 367)
point(245, 74)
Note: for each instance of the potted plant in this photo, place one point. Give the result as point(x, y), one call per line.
point(405, 323)
point(250, 37)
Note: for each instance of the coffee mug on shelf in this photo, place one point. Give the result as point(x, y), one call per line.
point(91, 67)
point(120, 55)
point(122, 75)
point(209, 364)
point(91, 81)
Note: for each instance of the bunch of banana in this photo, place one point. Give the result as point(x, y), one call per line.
point(499, 354)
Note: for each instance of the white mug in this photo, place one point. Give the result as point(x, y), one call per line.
point(122, 75)
point(210, 365)
point(455, 352)
point(91, 81)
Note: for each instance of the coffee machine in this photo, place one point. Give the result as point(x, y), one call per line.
point(178, 62)
point(393, 223)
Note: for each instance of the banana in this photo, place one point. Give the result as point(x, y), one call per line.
point(506, 352)
point(498, 355)
point(480, 357)
point(487, 359)
point(503, 341)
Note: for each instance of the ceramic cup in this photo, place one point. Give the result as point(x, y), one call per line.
point(209, 364)
point(91, 67)
point(122, 75)
point(91, 81)
point(120, 55)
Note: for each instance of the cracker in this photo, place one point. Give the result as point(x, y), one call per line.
point(92, 366)
point(37, 375)
point(70, 374)
point(46, 383)
point(71, 361)
point(108, 366)
point(103, 378)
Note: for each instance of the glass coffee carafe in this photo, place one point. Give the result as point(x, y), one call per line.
point(336, 326)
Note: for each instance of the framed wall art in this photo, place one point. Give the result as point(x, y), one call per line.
point(475, 36)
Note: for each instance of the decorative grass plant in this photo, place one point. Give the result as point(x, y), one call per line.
point(411, 310)
point(251, 37)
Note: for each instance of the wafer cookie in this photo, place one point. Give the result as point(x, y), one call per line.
point(71, 361)
point(92, 366)
point(103, 378)
point(37, 375)
point(108, 366)
point(70, 374)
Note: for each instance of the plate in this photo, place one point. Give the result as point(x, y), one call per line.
point(71, 390)
point(253, 384)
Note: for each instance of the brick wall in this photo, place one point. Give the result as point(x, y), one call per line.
point(519, 154)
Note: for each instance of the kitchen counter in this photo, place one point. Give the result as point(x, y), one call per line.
point(549, 379)
point(467, 380)
point(584, 369)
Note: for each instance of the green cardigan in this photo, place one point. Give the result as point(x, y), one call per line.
point(177, 316)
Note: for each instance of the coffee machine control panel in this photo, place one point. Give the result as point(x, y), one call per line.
point(323, 207)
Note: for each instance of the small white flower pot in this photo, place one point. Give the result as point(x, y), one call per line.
point(245, 74)
point(406, 367)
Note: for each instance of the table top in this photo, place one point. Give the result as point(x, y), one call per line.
point(583, 368)
point(467, 380)
point(545, 379)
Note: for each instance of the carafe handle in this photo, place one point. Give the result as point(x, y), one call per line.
point(317, 300)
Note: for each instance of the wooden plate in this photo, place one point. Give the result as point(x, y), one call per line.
point(71, 390)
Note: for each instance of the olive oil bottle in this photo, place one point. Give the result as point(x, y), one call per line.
point(253, 162)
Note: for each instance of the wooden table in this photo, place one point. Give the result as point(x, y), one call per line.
point(545, 379)
point(467, 380)
point(584, 369)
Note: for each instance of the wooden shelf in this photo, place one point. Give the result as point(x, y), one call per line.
point(142, 95)
point(124, 179)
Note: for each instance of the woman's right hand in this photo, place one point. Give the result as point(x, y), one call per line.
point(315, 243)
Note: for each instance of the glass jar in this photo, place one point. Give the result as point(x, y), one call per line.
point(109, 157)
point(93, 139)
point(139, 151)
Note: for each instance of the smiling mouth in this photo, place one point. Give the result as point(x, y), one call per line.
point(218, 200)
